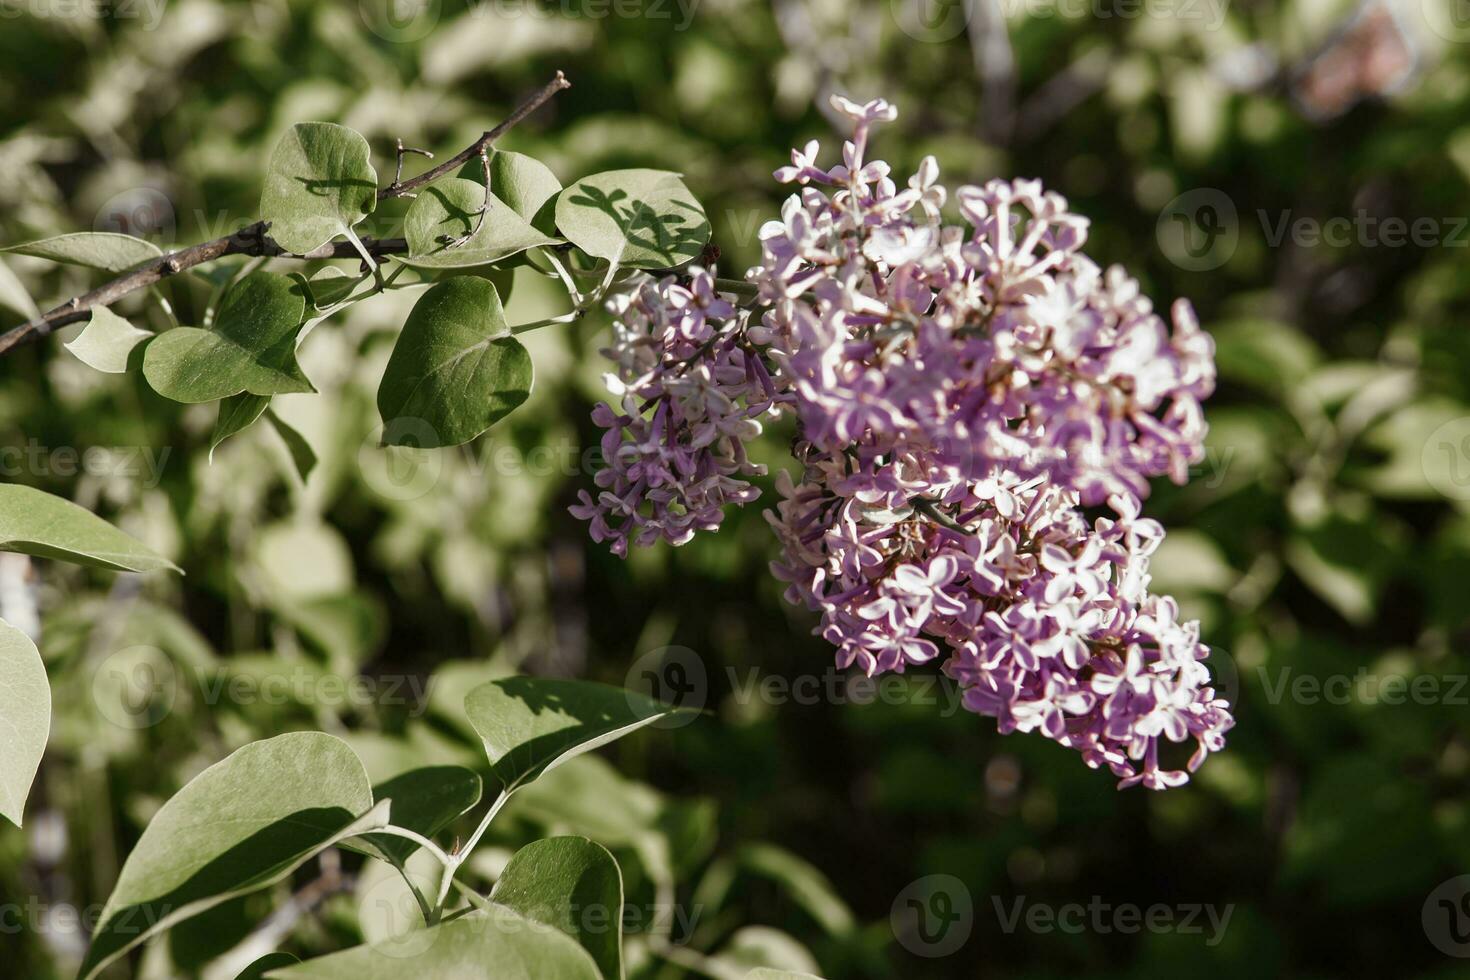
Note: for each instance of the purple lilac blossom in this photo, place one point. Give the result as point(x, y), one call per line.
point(961, 393)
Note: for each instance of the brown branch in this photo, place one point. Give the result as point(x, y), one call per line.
point(255, 241)
point(400, 188)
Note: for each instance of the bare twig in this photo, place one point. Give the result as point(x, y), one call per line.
point(451, 241)
point(398, 170)
point(254, 240)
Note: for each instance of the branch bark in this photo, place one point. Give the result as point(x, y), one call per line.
point(255, 240)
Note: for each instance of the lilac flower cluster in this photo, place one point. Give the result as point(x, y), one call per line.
point(961, 392)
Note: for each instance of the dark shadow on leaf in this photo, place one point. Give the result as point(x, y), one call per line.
point(674, 238)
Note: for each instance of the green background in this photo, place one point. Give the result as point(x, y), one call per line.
point(1326, 536)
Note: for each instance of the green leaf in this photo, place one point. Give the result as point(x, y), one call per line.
point(641, 219)
point(521, 181)
point(492, 943)
point(425, 800)
point(447, 210)
point(268, 962)
point(251, 348)
point(766, 973)
point(573, 885)
point(107, 342)
point(455, 366)
point(807, 885)
point(14, 296)
point(239, 826)
point(103, 250)
point(532, 724)
point(36, 523)
point(319, 183)
point(25, 717)
point(301, 452)
point(236, 414)
point(328, 287)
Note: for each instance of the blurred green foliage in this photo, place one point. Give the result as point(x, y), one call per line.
point(1326, 536)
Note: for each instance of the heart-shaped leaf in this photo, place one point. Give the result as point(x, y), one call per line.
point(251, 348)
point(575, 886)
point(25, 718)
point(241, 825)
point(456, 369)
point(491, 943)
point(107, 341)
point(319, 183)
point(532, 724)
point(521, 181)
point(425, 800)
point(36, 523)
point(105, 250)
point(236, 414)
point(447, 211)
point(641, 219)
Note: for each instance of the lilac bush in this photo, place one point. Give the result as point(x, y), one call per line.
point(961, 394)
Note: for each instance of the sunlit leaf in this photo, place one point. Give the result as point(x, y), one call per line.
point(25, 718)
point(104, 250)
point(320, 183)
point(242, 824)
point(532, 724)
point(575, 886)
point(447, 211)
point(107, 341)
point(641, 219)
point(36, 523)
point(493, 943)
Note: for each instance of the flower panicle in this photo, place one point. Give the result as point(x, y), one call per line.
point(961, 392)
